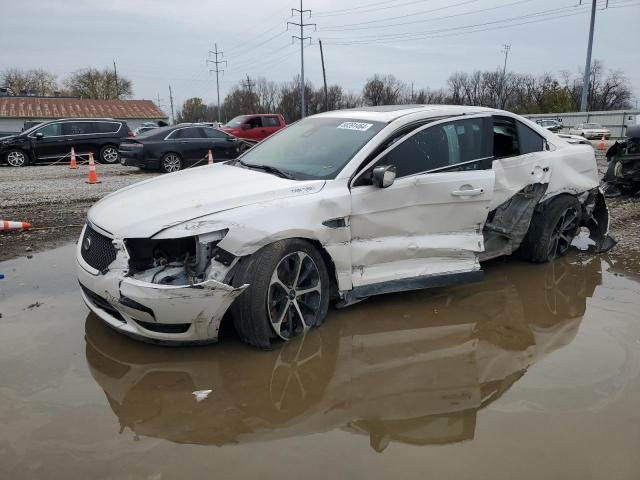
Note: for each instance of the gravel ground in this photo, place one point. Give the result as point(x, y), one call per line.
point(55, 200)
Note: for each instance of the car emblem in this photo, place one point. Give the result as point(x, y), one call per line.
point(86, 244)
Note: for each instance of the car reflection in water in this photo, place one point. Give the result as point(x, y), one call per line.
point(412, 368)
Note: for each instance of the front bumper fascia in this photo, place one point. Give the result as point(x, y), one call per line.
point(199, 307)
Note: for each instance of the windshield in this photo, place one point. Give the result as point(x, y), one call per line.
point(236, 122)
point(592, 125)
point(313, 148)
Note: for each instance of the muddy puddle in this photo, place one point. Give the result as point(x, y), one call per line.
point(532, 373)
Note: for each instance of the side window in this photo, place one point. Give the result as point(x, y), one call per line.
point(213, 133)
point(271, 121)
point(255, 122)
point(452, 146)
point(77, 128)
point(188, 133)
point(51, 130)
point(529, 140)
point(106, 127)
point(505, 138)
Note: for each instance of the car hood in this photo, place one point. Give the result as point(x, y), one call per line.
point(146, 208)
point(8, 137)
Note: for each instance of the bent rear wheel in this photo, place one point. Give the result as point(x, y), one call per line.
point(552, 230)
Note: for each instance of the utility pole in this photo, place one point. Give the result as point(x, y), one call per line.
point(505, 50)
point(173, 118)
point(115, 72)
point(248, 85)
point(324, 78)
point(159, 101)
point(216, 62)
point(587, 69)
point(302, 38)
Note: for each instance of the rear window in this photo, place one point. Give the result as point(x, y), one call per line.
point(530, 141)
point(271, 122)
point(106, 127)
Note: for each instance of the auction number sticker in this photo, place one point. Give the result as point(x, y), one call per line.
point(361, 127)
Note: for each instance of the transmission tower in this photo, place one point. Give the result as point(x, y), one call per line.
point(215, 58)
point(302, 38)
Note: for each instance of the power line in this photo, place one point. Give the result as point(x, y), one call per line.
point(216, 62)
point(302, 38)
point(408, 36)
point(350, 11)
point(340, 28)
point(249, 84)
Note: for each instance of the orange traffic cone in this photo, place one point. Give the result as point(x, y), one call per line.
point(7, 225)
point(602, 145)
point(93, 176)
point(73, 164)
point(210, 162)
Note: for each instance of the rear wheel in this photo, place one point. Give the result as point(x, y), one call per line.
point(109, 154)
point(288, 292)
point(17, 158)
point(171, 162)
point(552, 230)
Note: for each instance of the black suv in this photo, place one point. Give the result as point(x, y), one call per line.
point(50, 141)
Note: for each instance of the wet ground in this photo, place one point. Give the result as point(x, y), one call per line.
point(532, 373)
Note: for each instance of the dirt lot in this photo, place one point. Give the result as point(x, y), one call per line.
point(55, 200)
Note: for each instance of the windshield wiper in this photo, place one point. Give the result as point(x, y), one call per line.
point(269, 169)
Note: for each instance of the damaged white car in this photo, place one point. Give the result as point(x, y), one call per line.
point(333, 209)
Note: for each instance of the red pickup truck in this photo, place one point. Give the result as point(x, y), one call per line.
point(255, 127)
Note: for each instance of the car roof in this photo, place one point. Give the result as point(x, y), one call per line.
point(389, 113)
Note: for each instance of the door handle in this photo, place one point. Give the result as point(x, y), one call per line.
point(473, 192)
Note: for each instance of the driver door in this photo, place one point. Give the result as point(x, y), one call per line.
point(426, 228)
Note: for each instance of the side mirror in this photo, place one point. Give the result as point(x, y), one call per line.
point(39, 135)
point(383, 176)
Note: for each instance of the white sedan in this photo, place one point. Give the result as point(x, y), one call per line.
point(335, 208)
point(590, 130)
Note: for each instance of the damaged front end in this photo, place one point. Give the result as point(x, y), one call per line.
point(166, 291)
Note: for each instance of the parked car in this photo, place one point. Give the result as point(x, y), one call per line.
point(336, 208)
point(590, 130)
point(623, 172)
point(144, 128)
point(255, 127)
point(50, 141)
point(554, 126)
point(574, 139)
point(170, 149)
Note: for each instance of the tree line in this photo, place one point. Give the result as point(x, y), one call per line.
point(516, 92)
point(85, 83)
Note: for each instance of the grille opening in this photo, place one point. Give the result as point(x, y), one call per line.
point(164, 327)
point(97, 249)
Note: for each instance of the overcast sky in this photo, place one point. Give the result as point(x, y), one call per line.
point(157, 43)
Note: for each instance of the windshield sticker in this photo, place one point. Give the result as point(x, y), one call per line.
point(361, 127)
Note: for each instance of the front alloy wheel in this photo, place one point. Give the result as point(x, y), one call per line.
point(17, 158)
point(295, 295)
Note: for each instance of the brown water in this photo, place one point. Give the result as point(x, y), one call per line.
point(532, 373)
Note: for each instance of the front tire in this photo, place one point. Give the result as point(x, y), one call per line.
point(552, 230)
point(109, 155)
point(170, 162)
point(288, 293)
point(17, 158)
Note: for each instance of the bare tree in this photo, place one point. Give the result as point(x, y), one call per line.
point(98, 84)
point(35, 82)
point(383, 90)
